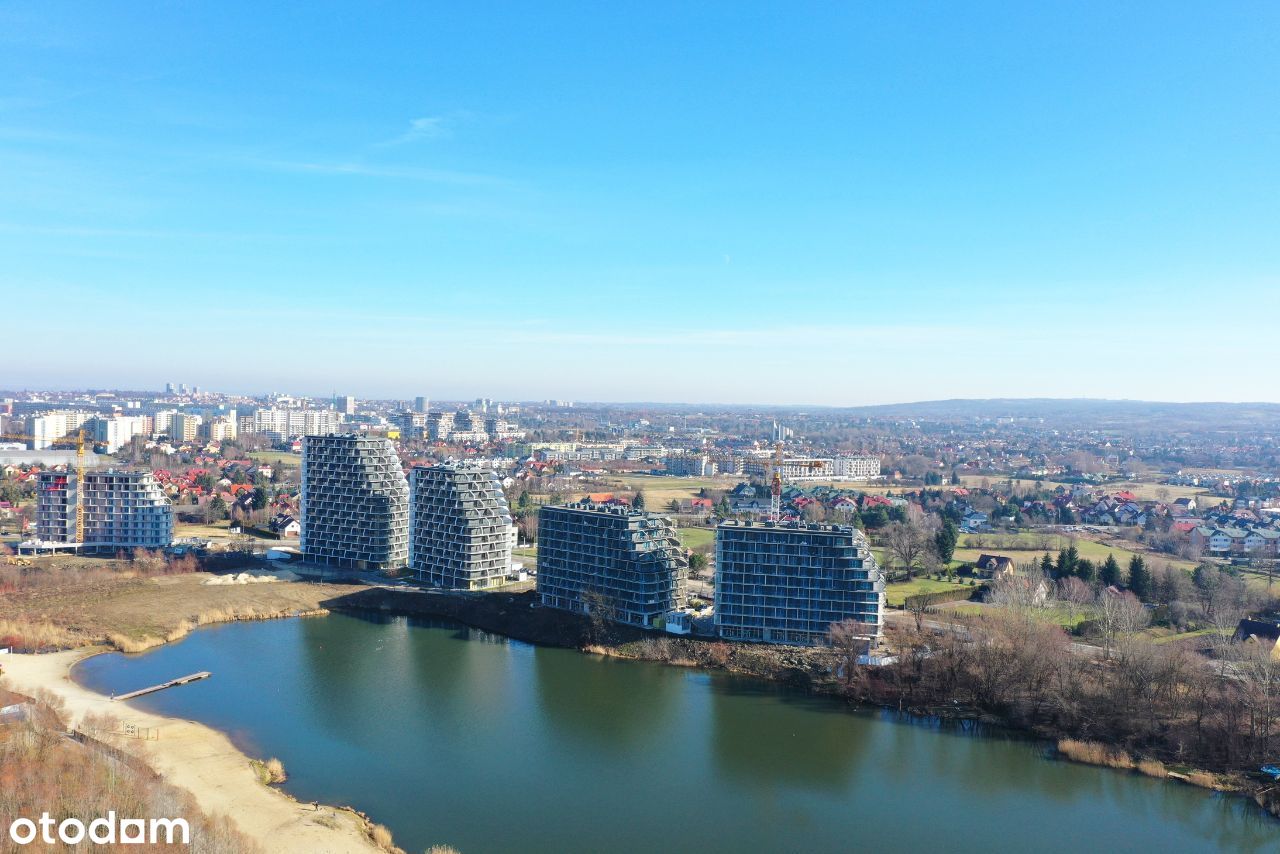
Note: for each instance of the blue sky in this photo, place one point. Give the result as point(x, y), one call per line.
point(829, 203)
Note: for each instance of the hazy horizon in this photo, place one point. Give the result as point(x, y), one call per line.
point(840, 206)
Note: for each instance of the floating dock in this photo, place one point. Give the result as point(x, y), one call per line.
point(181, 680)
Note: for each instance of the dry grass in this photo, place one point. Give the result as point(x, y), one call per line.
point(442, 849)
point(1205, 780)
point(1094, 753)
point(269, 772)
point(134, 613)
point(22, 632)
point(276, 769)
point(1153, 768)
point(381, 837)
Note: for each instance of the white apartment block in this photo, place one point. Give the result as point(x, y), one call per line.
point(117, 431)
point(815, 468)
point(282, 423)
point(122, 509)
point(49, 427)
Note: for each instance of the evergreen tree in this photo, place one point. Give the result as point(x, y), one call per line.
point(945, 541)
point(1046, 565)
point(1067, 560)
point(638, 501)
point(1139, 578)
point(1086, 571)
point(1110, 571)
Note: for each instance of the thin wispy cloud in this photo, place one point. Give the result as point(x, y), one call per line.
point(361, 169)
point(424, 128)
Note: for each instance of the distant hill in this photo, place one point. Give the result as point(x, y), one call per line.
point(1102, 413)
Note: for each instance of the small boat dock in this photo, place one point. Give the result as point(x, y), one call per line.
point(181, 680)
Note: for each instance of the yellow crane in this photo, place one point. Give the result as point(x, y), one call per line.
point(775, 479)
point(78, 439)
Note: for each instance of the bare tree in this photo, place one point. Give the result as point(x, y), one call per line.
point(907, 545)
point(1118, 614)
point(850, 641)
point(1019, 591)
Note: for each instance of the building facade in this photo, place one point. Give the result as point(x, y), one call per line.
point(355, 503)
point(815, 468)
point(626, 561)
point(789, 582)
point(122, 509)
point(460, 526)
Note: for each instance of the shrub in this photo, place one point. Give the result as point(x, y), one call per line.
point(275, 768)
point(937, 597)
point(1153, 768)
point(1093, 753)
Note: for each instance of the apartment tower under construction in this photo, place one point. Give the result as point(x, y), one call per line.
point(461, 526)
point(122, 510)
point(355, 503)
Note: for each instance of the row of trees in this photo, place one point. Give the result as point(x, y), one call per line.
point(1161, 700)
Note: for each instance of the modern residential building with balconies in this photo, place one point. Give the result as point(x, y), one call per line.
point(355, 503)
point(460, 524)
point(628, 562)
point(789, 582)
point(122, 510)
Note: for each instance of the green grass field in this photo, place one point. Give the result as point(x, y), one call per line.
point(276, 457)
point(695, 538)
point(896, 594)
point(1094, 551)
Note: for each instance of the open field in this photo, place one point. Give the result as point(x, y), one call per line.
point(95, 609)
point(695, 538)
point(896, 594)
point(1143, 490)
point(660, 491)
point(1094, 551)
point(201, 531)
point(276, 457)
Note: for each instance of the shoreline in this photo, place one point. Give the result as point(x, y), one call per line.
point(201, 760)
point(777, 665)
point(205, 762)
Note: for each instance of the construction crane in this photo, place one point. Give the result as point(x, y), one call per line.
point(78, 438)
point(775, 479)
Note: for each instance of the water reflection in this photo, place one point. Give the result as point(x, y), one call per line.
point(759, 741)
point(595, 703)
point(450, 735)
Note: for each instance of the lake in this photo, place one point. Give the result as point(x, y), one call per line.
point(450, 735)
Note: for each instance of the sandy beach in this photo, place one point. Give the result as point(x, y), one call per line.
point(201, 760)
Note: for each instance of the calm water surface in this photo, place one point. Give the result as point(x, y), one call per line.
point(449, 735)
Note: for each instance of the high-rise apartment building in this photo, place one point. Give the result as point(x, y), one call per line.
point(122, 509)
point(184, 426)
point(421, 405)
point(625, 561)
point(279, 424)
point(460, 526)
point(346, 404)
point(789, 582)
point(49, 427)
point(355, 503)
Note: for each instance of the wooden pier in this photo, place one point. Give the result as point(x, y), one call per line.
point(181, 680)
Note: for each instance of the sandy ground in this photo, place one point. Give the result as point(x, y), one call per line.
point(201, 760)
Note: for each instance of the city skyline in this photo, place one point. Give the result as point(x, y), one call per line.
point(848, 207)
